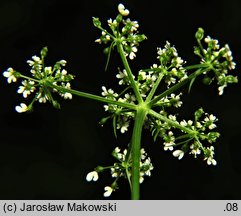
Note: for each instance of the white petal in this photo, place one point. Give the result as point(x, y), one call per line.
point(92, 176)
point(108, 191)
point(178, 153)
point(121, 7)
point(6, 74)
point(22, 108)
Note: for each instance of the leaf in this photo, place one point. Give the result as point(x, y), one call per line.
point(104, 120)
point(156, 135)
point(108, 57)
point(56, 104)
point(191, 83)
point(114, 126)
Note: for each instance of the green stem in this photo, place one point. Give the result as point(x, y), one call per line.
point(135, 153)
point(154, 88)
point(129, 73)
point(177, 86)
point(190, 67)
point(29, 78)
point(91, 96)
point(171, 122)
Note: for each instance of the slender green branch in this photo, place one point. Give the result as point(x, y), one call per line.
point(29, 78)
point(171, 122)
point(190, 67)
point(177, 86)
point(154, 88)
point(129, 73)
point(91, 96)
point(135, 153)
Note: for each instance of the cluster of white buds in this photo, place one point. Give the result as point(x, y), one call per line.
point(123, 30)
point(171, 100)
point(171, 65)
point(119, 170)
point(41, 75)
point(219, 59)
point(199, 130)
point(121, 117)
point(122, 169)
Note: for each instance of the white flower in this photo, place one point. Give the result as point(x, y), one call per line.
point(122, 10)
point(22, 108)
point(48, 70)
point(210, 121)
point(123, 126)
point(118, 154)
point(141, 179)
point(168, 146)
point(195, 150)
point(98, 40)
point(147, 163)
point(221, 88)
point(27, 88)
point(112, 23)
point(66, 95)
point(170, 143)
point(62, 62)
point(172, 117)
point(42, 98)
point(10, 75)
point(64, 72)
point(108, 191)
point(209, 156)
point(122, 76)
point(92, 176)
point(212, 117)
point(114, 174)
point(36, 59)
point(211, 161)
point(190, 122)
point(108, 92)
point(183, 123)
point(130, 98)
point(132, 54)
point(198, 125)
point(178, 153)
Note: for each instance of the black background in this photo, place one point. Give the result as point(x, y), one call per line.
point(47, 154)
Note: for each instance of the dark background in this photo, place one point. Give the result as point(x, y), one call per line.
point(47, 154)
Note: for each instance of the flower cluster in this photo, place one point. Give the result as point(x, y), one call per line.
point(172, 100)
point(122, 169)
point(195, 133)
point(11, 75)
point(219, 60)
point(171, 65)
point(124, 31)
point(41, 76)
point(121, 116)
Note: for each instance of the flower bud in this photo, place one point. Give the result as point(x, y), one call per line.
point(199, 34)
point(207, 80)
point(96, 22)
point(43, 52)
point(99, 169)
point(56, 104)
point(106, 50)
point(231, 79)
point(119, 18)
point(199, 113)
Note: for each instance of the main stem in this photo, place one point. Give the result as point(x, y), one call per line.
point(135, 153)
